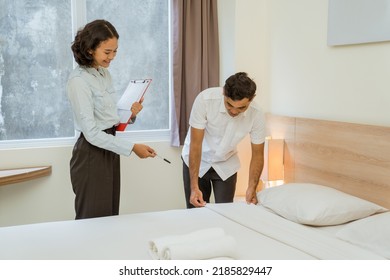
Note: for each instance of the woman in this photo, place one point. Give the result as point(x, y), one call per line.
point(95, 162)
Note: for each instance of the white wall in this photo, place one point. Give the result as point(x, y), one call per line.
point(43, 199)
point(283, 44)
point(227, 31)
point(309, 79)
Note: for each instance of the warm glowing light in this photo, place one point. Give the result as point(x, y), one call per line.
point(273, 171)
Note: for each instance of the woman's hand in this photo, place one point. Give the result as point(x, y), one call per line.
point(136, 107)
point(143, 151)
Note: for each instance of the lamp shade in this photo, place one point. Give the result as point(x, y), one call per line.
point(273, 169)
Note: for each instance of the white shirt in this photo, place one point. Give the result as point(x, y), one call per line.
point(222, 133)
point(92, 97)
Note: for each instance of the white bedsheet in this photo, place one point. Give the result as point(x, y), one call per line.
point(128, 236)
point(318, 244)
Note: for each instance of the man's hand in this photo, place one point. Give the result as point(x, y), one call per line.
point(250, 196)
point(196, 198)
point(195, 156)
point(255, 169)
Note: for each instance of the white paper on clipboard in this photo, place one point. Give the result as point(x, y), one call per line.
point(133, 93)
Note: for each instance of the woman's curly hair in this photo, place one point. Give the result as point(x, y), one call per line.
point(239, 86)
point(89, 38)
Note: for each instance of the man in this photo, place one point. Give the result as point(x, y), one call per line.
point(220, 118)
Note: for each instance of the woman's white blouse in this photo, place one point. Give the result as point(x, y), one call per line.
point(92, 97)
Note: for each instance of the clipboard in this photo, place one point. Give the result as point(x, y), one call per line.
point(134, 92)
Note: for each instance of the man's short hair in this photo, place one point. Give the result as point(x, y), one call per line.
point(239, 86)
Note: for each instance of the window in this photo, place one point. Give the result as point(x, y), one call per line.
point(143, 52)
point(35, 62)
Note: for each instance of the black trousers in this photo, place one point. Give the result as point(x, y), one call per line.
point(95, 177)
point(223, 190)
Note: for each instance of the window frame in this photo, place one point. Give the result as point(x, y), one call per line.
point(78, 12)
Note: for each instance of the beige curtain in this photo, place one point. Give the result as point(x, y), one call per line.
point(195, 58)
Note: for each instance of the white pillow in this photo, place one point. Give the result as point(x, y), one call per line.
point(316, 205)
point(372, 233)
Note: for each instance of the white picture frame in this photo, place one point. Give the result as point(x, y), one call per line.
point(358, 21)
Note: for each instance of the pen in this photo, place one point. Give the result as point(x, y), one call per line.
point(139, 81)
point(163, 158)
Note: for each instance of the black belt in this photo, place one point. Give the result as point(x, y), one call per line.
point(111, 130)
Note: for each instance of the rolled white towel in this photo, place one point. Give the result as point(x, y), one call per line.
point(223, 247)
point(158, 245)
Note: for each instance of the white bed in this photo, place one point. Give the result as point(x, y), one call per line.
point(128, 236)
point(259, 234)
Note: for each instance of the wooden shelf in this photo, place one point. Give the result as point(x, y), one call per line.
point(11, 176)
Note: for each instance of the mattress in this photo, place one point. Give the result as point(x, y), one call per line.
point(259, 234)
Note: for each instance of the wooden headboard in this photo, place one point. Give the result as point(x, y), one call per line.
point(353, 158)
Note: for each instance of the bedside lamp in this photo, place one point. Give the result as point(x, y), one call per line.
point(273, 171)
